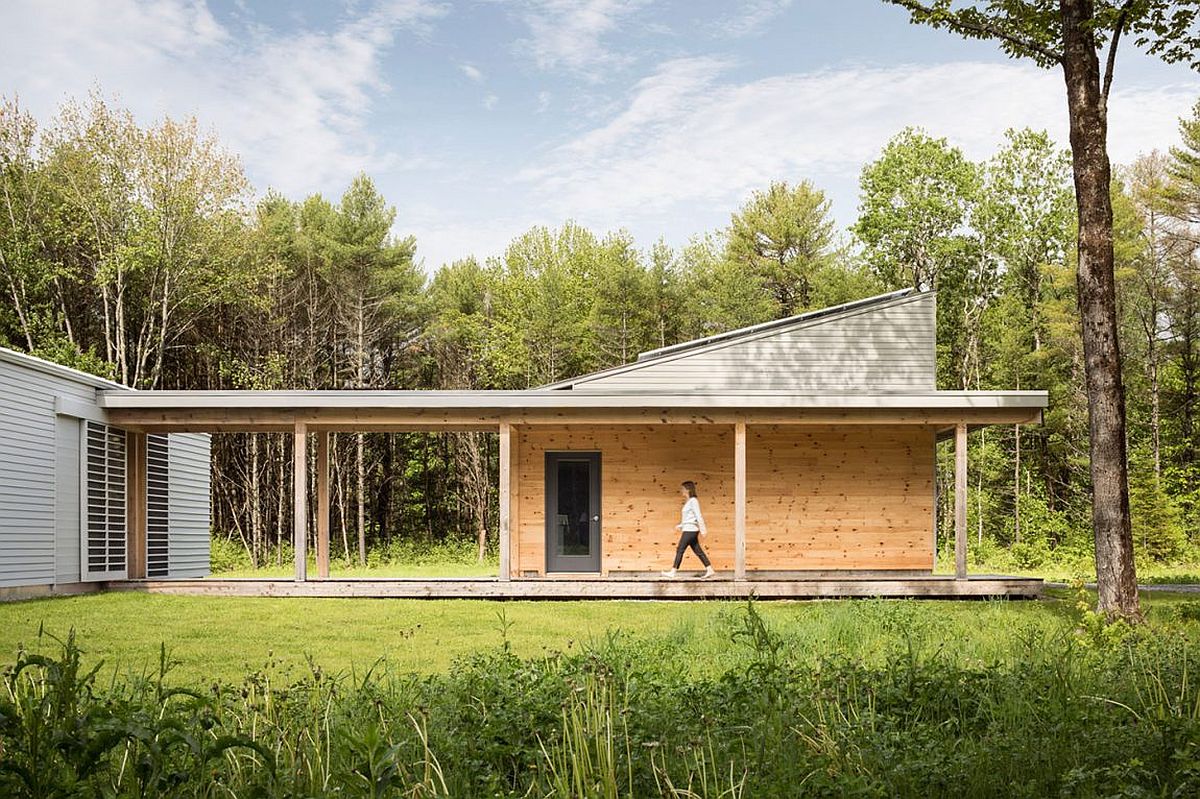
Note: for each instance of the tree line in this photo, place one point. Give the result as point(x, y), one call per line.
point(141, 253)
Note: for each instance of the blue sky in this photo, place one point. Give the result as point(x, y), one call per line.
point(480, 118)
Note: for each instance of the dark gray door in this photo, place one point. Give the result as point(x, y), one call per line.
point(573, 511)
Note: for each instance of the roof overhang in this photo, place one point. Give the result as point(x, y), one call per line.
point(215, 411)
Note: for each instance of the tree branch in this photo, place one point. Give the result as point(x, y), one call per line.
point(1112, 49)
point(982, 29)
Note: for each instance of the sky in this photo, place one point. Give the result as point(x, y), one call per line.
point(478, 119)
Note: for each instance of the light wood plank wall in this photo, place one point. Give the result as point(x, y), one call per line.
point(641, 467)
point(818, 497)
point(849, 497)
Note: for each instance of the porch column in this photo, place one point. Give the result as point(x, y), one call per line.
point(960, 501)
point(323, 505)
point(300, 499)
point(739, 501)
point(505, 497)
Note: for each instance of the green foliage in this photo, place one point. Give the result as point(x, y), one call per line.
point(1158, 533)
point(915, 199)
point(784, 236)
point(622, 718)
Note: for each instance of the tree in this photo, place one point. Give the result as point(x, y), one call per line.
point(1025, 221)
point(1071, 34)
point(915, 202)
point(784, 236)
point(719, 294)
point(163, 208)
point(377, 284)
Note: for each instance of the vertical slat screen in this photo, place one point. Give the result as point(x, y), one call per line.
point(157, 506)
point(105, 501)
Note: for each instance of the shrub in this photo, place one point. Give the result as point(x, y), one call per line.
point(1098, 710)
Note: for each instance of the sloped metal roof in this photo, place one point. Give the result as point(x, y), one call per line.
point(731, 336)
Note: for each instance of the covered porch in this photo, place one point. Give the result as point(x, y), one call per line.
point(862, 525)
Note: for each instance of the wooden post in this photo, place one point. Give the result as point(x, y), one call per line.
point(960, 501)
point(505, 497)
point(514, 501)
point(300, 499)
point(739, 501)
point(135, 505)
point(323, 505)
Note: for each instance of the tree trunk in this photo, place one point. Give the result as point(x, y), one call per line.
point(1115, 575)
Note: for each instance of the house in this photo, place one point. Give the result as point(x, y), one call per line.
point(64, 482)
point(812, 440)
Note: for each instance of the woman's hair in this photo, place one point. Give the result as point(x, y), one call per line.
point(690, 487)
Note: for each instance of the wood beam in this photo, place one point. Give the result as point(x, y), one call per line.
point(135, 505)
point(323, 505)
point(960, 501)
point(505, 499)
point(300, 499)
point(739, 501)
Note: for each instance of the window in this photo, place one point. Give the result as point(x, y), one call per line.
point(104, 502)
point(157, 507)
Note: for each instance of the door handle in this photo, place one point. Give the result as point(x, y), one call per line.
point(595, 518)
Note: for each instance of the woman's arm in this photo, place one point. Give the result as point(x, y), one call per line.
point(700, 518)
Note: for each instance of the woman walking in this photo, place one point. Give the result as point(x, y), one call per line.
point(692, 526)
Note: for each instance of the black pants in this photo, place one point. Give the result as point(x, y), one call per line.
point(690, 538)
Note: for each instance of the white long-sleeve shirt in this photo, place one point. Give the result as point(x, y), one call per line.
point(691, 518)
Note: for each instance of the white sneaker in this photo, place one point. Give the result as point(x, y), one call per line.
point(669, 574)
point(709, 572)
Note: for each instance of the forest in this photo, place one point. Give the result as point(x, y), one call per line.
point(144, 254)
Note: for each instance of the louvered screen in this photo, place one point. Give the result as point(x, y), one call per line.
point(104, 512)
point(157, 508)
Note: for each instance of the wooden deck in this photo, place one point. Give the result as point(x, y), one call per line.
point(682, 588)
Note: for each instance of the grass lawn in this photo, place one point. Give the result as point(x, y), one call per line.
point(227, 637)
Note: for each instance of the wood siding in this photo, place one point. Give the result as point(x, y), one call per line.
point(846, 497)
point(818, 497)
point(641, 468)
point(889, 347)
point(188, 498)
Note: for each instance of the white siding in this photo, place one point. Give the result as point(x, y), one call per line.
point(888, 347)
point(66, 505)
point(28, 454)
point(188, 494)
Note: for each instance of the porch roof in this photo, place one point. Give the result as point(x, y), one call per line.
point(416, 410)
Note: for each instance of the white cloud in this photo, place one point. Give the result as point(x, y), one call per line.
point(543, 101)
point(751, 17)
point(571, 33)
point(471, 71)
point(490, 101)
point(689, 138)
point(294, 105)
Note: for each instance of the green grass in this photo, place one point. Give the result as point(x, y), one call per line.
point(225, 637)
point(712, 700)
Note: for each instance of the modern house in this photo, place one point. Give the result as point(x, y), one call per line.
point(812, 440)
point(65, 475)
